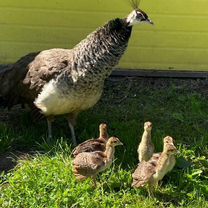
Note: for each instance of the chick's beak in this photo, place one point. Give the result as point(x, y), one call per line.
point(174, 149)
point(120, 143)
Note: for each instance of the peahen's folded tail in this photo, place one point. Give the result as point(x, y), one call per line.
point(4, 80)
point(10, 78)
point(6, 84)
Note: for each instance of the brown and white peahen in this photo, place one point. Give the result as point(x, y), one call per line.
point(68, 81)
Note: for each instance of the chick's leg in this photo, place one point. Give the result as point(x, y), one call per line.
point(151, 190)
point(94, 181)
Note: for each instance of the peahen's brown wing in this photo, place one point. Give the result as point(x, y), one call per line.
point(46, 66)
point(23, 81)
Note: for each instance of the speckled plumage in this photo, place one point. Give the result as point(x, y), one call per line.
point(75, 76)
point(66, 81)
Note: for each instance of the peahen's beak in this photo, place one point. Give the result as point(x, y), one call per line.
point(150, 21)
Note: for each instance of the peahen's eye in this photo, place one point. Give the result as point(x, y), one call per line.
point(139, 16)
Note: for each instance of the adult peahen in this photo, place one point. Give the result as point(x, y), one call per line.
point(68, 81)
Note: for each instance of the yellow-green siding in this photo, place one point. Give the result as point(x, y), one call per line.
point(178, 41)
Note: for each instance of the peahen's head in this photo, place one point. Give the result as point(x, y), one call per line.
point(137, 16)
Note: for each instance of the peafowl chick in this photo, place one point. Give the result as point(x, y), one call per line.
point(89, 164)
point(172, 159)
point(68, 81)
point(146, 147)
point(92, 145)
point(152, 171)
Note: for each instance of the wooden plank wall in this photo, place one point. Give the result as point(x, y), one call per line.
point(178, 41)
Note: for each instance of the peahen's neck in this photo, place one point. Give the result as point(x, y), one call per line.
point(101, 50)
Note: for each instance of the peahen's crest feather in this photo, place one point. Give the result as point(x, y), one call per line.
point(135, 4)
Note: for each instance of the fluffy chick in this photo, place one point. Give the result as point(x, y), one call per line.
point(152, 171)
point(89, 164)
point(146, 147)
point(92, 145)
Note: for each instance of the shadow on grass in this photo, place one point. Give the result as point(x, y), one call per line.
point(172, 197)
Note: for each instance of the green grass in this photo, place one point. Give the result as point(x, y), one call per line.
point(178, 108)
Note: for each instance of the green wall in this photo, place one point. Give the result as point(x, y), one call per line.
point(178, 41)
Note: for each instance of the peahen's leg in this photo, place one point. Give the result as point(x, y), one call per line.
point(71, 122)
point(49, 122)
